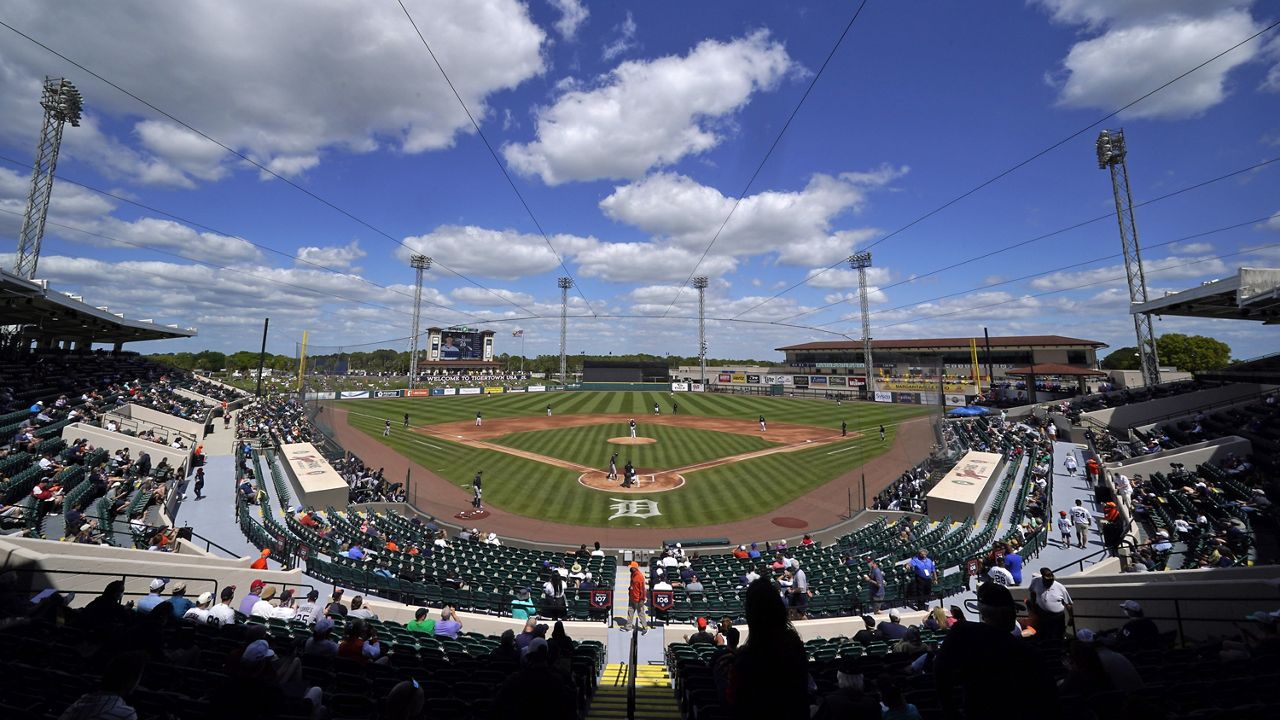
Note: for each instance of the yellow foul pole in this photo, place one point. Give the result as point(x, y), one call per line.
point(302, 360)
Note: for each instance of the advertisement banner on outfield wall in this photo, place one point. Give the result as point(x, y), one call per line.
point(537, 388)
point(353, 394)
point(956, 400)
point(801, 381)
point(817, 380)
point(449, 391)
point(679, 387)
point(753, 379)
point(420, 392)
point(468, 391)
point(739, 378)
point(837, 381)
point(907, 398)
point(777, 379)
point(386, 393)
point(518, 389)
point(433, 391)
point(884, 396)
point(697, 387)
point(724, 378)
point(856, 380)
point(319, 396)
point(493, 390)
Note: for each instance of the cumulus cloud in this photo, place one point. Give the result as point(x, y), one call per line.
point(1273, 223)
point(1145, 43)
point(572, 14)
point(1171, 267)
point(844, 278)
point(479, 296)
point(372, 86)
point(795, 225)
point(484, 252)
point(641, 262)
point(649, 113)
point(335, 257)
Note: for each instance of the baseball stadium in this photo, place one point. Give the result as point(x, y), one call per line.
point(349, 466)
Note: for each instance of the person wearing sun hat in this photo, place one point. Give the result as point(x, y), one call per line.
point(522, 607)
point(178, 599)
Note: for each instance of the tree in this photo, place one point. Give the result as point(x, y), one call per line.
point(1126, 358)
point(1192, 353)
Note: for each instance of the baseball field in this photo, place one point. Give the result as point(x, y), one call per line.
point(704, 462)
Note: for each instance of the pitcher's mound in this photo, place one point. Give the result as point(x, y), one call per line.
point(633, 440)
point(648, 481)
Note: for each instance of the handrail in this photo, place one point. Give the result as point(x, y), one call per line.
point(631, 672)
point(123, 576)
point(1177, 616)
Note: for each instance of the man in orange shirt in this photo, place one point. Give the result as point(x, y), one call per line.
point(636, 596)
point(261, 562)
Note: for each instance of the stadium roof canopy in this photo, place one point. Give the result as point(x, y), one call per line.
point(1040, 369)
point(1008, 341)
point(46, 314)
point(1251, 294)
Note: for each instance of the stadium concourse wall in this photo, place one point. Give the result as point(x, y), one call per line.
point(1123, 417)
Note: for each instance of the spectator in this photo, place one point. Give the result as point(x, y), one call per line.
point(869, 633)
point(153, 598)
point(892, 629)
point(223, 612)
point(976, 653)
point(726, 634)
point(321, 642)
point(264, 608)
point(248, 601)
point(1051, 604)
point(449, 626)
point(526, 635)
point(178, 599)
point(119, 678)
point(358, 609)
point(261, 562)
point(536, 691)
point(522, 607)
point(770, 672)
point(421, 623)
point(848, 701)
point(701, 636)
point(1140, 632)
point(896, 706)
point(506, 650)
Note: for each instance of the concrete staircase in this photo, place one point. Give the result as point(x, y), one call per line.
point(655, 700)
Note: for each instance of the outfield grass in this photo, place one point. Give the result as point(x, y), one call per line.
point(675, 447)
point(720, 494)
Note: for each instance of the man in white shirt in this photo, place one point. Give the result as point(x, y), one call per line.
point(199, 614)
point(662, 583)
point(223, 612)
point(1083, 520)
point(1124, 490)
point(1052, 602)
point(1000, 575)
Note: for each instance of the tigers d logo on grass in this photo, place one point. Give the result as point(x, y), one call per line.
point(633, 508)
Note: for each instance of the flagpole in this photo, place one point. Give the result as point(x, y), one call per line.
point(521, 351)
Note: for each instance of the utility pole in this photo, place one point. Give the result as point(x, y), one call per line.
point(262, 355)
point(700, 283)
point(62, 104)
point(1111, 156)
point(564, 284)
point(419, 263)
point(860, 262)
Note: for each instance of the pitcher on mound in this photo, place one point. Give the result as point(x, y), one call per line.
point(632, 424)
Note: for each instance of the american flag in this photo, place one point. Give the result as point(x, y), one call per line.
point(518, 333)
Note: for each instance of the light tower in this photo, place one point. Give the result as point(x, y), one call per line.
point(62, 104)
point(564, 284)
point(419, 263)
point(700, 283)
point(860, 262)
point(1111, 156)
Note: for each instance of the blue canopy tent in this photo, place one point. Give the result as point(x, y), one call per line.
point(968, 411)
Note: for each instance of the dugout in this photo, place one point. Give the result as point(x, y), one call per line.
point(624, 371)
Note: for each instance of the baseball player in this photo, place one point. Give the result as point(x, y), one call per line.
point(762, 426)
point(406, 421)
point(881, 433)
point(844, 428)
point(548, 411)
point(613, 467)
point(479, 419)
point(628, 474)
point(386, 428)
point(675, 408)
point(656, 409)
point(633, 427)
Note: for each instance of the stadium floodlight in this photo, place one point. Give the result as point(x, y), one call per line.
point(1112, 151)
point(564, 284)
point(860, 262)
point(700, 283)
point(62, 104)
point(420, 263)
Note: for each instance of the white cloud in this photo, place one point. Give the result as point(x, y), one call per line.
point(845, 278)
point(334, 257)
point(572, 14)
point(649, 113)
point(795, 225)
point(1273, 223)
point(646, 262)
point(623, 42)
point(1145, 43)
point(288, 165)
point(1193, 248)
point(483, 252)
point(1171, 267)
point(479, 296)
point(372, 86)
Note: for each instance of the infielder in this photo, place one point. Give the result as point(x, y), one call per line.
point(613, 467)
point(656, 409)
point(762, 426)
point(548, 411)
point(386, 428)
point(479, 419)
point(633, 427)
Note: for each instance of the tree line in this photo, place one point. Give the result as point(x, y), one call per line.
point(1189, 353)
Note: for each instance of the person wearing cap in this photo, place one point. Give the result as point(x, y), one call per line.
point(977, 653)
point(522, 607)
point(153, 598)
point(1064, 528)
point(892, 629)
point(248, 601)
point(849, 701)
point(421, 623)
point(309, 609)
point(321, 642)
point(335, 608)
point(701, 636)
point(178, 599)
point(223, 612)
point(1118, 669)
point(199, 613)
point(662, 583)
point(1082, 520)
point(1052, 605)
point(636, 596)
point(106, 608)
point(1140, 632)
point(261, 562)
point(868, 634)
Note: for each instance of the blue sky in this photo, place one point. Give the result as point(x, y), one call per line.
point(630, 129)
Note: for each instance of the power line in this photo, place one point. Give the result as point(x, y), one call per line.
point(794, 111)
point(257, 164)
point(258, 245)
point(1027, 161)
point(980, 288)
point(494, 154)
point(1037, 238)
point(1245, 251)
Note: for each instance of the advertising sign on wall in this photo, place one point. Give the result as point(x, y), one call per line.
point(353, 394)
point(739, 377)
point(884, 396)
point(515, 389)
point(954, 400)
point(837, 381)
point(679, 387)
point(494, 390)
point(817, 380)
point(921, 385)
point(697, 387)
point(724, 378)
point(386, 393)
point(537, 388)
point(433, 391)
point(449, 391)
point(468, 391)
point(777, 379)
point(907, 398)
point(419, 392)
point(753, 379)
point(801, 381)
